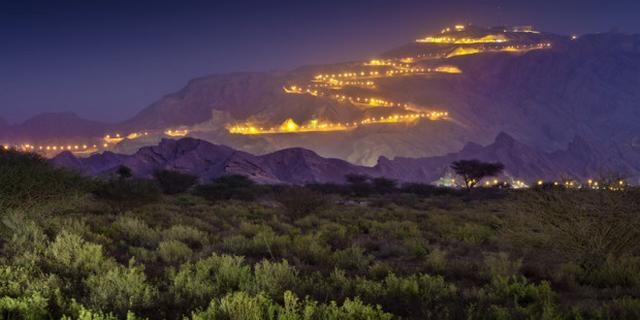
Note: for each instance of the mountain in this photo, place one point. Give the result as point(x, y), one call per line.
point(300, 166)
point(546, 91)
point(55, 126)
point(208, 160)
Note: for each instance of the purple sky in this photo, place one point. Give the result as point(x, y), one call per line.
point(106, 60)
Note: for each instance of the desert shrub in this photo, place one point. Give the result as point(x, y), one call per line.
point(436, 260)
point(615, 272)
point(173, 182)
point(195, 284)
point(135, 231)
point(626, 308)
point(500, 265)
point(336, 235)
point(26, 293)
point(24, 242)
point(379, 270)
point(353, 259)
point(586, 227)
point(124, 193)
point(299, 202)
point(274, 278)
point(241, 306)
point(229, 187)
point(516, 297)
point(473, 233)
point(310, 249)
point(432, 295)
point(79, 312)
point(73, 257)
point(121, 289)
point(27, 179)
point(173, 251)
point(189, 235)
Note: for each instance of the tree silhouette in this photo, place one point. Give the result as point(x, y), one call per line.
point(124, 172)
point(472, 171)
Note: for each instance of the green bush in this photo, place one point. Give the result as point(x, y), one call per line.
point(353, 259)
point(241, 306)
point(516, 297)
point(436, 260)
point(135, 231)
point(174, 251)
point(274, 278)
point(615, 272)
point(619, 309)
point(173, 182)
point(27, 179)
point(72, 256)
point(121, 289)
point(473, 233)
point(197, 283)
point(189, 235)
point(499, 265)
point(27, 293)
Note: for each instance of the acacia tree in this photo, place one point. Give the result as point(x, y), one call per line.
point(472, 171)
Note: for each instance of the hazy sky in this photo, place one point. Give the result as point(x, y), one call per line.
point(106, 60)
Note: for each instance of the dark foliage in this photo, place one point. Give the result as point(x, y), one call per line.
point(27, 179)
point(299, 202)
point(426, 189)
point(229, 187)
point(124, 172)
point(383, 185)
point(173, 182)
point(124, 193)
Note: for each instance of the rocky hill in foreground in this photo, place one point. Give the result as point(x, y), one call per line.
point(301, 166)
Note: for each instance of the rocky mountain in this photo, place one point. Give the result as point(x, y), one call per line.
point(546, 91)
point(300, 166)
point(45, 127)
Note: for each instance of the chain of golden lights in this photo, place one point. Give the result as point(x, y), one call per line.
point(337, 81)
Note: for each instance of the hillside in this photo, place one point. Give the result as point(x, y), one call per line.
point(424, 99)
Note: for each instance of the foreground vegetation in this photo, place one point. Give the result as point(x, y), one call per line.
point(79, 248)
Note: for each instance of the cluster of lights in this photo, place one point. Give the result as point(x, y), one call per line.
point(591, 184)
point(48, 148)
point(117, 138)
point(461, 51)
point(177, 133)
point(290, 126)
point(492, 38)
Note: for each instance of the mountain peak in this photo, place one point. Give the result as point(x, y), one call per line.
point(504, 139)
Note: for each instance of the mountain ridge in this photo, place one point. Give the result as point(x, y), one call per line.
point(301, 166)
point(587, 87)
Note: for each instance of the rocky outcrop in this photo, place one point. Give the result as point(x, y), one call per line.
point(301, 166)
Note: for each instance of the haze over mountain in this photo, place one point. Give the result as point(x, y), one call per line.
point(546, 91)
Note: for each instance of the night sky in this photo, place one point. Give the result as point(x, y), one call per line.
point(106, 60)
